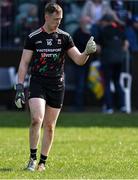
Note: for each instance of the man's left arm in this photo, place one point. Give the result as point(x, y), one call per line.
point(81, 58)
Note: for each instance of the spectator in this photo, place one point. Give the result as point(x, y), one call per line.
point(73, 12)
point(80, 37)
point(132, 34)
point(6, 7)
point(119, 6)
point(26, 21)
point(113, 45)
point(97, 8)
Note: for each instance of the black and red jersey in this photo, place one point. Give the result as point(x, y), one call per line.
point(49, 50)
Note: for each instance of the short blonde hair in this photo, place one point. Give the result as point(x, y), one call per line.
point(50, 8)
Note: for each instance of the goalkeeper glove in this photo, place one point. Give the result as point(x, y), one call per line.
point(90, 47)
point(20, 96)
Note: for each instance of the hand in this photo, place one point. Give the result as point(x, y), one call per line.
point(20, 97)
point(90, 47)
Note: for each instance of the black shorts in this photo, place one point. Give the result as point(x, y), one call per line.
point(52, 90)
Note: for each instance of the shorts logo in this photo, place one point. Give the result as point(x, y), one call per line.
point(49, 42)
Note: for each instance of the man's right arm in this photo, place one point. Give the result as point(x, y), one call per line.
point(23, 67)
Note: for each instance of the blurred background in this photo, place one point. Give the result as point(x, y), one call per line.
point(85, 86)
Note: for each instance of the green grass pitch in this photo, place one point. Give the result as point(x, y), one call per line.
point(86, 146)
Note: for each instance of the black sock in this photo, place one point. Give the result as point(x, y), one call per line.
point(33, 153)
point(42, 159)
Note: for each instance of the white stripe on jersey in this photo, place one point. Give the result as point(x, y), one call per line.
point(35, 32)
point(62, 32)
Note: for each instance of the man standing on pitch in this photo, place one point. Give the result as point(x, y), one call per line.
point(44, 51)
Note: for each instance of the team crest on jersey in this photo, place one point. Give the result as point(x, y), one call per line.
point(49, 42)
point(59, 41)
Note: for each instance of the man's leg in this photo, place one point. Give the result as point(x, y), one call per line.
point(108, 102)
point(37, 110)
point(119, 90)
point(49, 123)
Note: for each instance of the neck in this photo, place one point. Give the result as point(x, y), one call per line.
point(48, 29)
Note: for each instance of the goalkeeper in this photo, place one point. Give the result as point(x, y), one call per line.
point(47, 46)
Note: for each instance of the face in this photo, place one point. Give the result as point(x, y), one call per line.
point(85, 24)
point(53, 21)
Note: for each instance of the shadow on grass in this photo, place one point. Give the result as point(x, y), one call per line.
point(98, 120)
point(22, 119)
point(6, 169)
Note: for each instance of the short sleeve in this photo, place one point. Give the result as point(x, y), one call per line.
point(68, 42)
point(29, 44)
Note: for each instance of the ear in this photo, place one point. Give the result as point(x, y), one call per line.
point(46, 17)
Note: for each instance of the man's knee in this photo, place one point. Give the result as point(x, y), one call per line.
point(36, 121)
point(49, 126)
